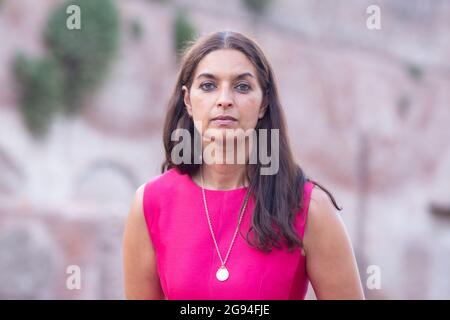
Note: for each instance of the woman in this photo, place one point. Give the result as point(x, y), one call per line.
point(225, 230)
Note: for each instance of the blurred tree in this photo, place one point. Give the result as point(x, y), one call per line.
point(136, 29)
point(160, 1)
point(86, 53)
point(77, 61)
point(415, 71)
point(257, 6)
point(42, 84)
point(184, 32)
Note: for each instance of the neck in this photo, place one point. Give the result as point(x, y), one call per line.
point(222, 176)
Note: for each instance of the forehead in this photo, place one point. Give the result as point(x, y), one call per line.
point(225, 63)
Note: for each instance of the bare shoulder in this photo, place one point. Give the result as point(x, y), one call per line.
point(136, 219)
point(139, 260)
point(321, 206)
point(135, 227)
point(136, 211)
point(139, 197)
point(140, 190)
point(323, 221)
point(328, 247)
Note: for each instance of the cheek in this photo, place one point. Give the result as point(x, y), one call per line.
point(249, 110)
point(200, 105)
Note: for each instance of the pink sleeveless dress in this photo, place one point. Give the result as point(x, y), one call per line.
point(187, 260)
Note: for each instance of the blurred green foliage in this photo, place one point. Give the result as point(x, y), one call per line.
point(84, 54)
point(42, 83)
point(415, 71)
point(184, 32)
point(76, 63)
point(136, 29)
point(257, 6)
point(160, 1)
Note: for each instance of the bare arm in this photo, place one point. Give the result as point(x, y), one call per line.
point(330, 261)
point(139, 262)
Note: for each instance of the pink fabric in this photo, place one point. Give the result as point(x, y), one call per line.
point(187, 259)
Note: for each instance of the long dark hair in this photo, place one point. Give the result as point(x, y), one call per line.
point(278, 197)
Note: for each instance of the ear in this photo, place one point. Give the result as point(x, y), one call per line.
point(187, 100)
point(262, 110)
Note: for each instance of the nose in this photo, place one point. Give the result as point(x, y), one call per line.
point(225, 99)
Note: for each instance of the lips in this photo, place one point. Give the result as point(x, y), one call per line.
point(224, 118)
point(224, 121)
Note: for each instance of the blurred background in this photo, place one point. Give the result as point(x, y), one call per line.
point(81, 115)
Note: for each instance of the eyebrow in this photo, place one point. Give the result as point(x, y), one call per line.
point(211, 76)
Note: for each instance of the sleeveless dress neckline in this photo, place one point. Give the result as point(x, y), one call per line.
point(192, 182)
point(186, 257)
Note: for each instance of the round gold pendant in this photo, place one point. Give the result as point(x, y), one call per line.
point(222, 274)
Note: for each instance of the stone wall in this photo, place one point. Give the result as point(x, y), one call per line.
point(368, 114)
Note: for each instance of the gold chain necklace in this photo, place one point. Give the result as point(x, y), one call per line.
point(222, 273)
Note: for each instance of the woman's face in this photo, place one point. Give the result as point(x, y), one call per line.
point(224, 84)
